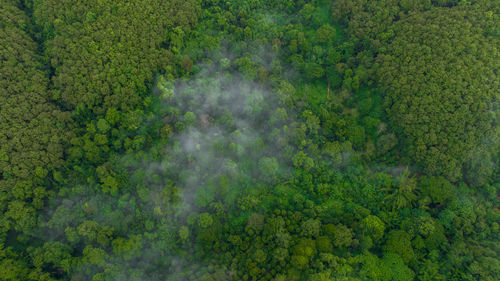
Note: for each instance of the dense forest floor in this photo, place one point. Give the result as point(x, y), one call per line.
point(249, 140)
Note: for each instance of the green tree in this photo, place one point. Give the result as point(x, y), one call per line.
point(404, 194)
point(398, 242)
point(373, 226)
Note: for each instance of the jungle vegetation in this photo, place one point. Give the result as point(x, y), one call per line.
point(249, 140)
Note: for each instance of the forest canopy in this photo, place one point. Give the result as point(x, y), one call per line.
point(249, 140)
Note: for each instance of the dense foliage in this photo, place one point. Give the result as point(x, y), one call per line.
point(249, 140)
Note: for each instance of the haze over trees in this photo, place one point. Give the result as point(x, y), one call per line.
point(249, 140)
